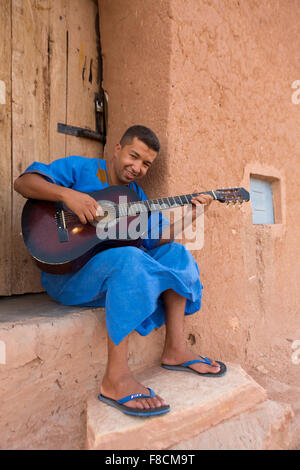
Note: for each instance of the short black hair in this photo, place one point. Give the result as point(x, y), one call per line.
point(144, 134)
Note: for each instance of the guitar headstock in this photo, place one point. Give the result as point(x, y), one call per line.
point(232, 195)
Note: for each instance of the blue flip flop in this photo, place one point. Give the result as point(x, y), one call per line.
point(185, 367)
point(135, 411)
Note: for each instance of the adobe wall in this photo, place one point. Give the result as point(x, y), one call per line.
point(213, 79)
point(136, 49)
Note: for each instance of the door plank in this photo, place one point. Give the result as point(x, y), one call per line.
point(31, 104)
point(5, 145)
point(58, 76)
point(83, 76)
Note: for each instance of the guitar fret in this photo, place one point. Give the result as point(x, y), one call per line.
point(165, 203)
point(121, 210)
point(129, 209)
point(169, 202)
point(141, 207)
point(133, 209)
point(147, 206)
point(137, 207)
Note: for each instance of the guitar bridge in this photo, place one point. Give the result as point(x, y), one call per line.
point(62, 230)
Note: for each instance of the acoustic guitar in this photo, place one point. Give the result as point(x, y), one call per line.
point(59, 243)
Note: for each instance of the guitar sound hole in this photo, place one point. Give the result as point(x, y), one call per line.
point(109, 214)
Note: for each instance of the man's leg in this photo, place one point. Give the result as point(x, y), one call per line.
point(118, 381)
point(175, 351)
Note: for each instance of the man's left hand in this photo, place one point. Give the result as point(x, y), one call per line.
point(204, 199)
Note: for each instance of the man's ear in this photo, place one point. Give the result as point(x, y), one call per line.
point(117, 149)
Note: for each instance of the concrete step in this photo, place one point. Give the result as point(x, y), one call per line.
point(197, 404)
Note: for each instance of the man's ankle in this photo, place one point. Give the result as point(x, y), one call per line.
point(116, 376)
point(171, 349)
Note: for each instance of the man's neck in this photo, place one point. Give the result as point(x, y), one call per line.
point(110, 174)
point(112, 177)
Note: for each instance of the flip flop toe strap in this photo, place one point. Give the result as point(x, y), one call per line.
point(197, 361)
point(136, 395)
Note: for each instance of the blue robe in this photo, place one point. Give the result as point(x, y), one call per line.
point(127, 281)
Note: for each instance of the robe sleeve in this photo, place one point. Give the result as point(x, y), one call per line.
point(63, 172)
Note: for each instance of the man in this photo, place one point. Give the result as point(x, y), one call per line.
point(141, 289)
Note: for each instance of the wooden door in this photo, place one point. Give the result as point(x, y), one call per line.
point(51, 74)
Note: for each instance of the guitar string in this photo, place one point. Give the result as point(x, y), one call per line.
point(124, 209)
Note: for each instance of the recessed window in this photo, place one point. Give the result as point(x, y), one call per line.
point(262, 200)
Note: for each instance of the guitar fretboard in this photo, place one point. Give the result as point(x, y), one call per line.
point(154, 205)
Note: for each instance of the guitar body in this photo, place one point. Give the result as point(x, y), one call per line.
point(60, 243)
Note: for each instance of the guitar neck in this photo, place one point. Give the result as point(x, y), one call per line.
point(154, 205)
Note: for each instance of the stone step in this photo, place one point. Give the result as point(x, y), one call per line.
point(52, 359)
point(265, 427)
point(23, 317)
point(197, 404)
point(283, 392)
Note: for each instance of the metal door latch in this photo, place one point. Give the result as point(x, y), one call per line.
point(84, 132)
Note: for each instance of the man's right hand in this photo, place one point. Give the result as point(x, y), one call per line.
point(33, 185)
point(84, 206)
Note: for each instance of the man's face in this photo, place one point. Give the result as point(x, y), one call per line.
point(132, 161)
